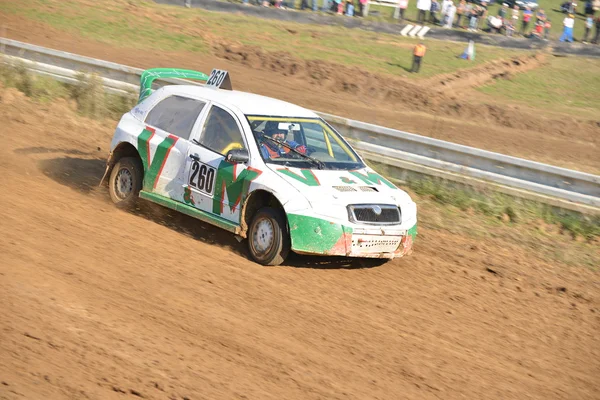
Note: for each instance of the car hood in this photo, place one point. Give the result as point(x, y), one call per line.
point(341, 187)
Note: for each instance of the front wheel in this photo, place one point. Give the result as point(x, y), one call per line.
point(125, 182)
point(268, 239)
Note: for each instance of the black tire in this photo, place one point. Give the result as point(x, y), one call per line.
point(125, 182)
point(275, 249)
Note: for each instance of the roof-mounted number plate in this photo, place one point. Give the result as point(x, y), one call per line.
point(219, 79)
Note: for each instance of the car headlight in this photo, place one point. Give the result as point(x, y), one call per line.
point(334, 211)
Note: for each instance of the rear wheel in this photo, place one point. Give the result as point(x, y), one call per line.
point(268, 239)
point(125, 182)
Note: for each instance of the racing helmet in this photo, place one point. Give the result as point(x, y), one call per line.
point(272, 128)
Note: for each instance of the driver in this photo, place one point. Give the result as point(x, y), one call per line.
point(270, 149)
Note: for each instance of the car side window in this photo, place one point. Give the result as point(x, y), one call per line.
point(176, 115)
point(220, 132)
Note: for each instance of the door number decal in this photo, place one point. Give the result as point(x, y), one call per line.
point(202, 177)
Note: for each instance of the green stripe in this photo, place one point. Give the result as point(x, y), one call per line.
point(152, 168)
point(143, 147)
point(308, 177)
point(314, 235)
point(372, 178)
point(191, 211)
point(413, 231)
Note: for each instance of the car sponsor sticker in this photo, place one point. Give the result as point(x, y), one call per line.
point(202, 177)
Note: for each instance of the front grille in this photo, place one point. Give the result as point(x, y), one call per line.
point(353, 189)
point(383, 214)
point(345, 188)
point(368, 189)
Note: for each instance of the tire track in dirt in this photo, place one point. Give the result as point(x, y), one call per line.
point(463, 80)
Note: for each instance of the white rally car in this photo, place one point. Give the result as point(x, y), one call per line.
point(267, 170)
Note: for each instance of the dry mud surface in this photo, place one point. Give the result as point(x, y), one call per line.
point(436, 107)
point(98, 303)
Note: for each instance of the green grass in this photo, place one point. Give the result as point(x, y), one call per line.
point(565, 85)
point(147, 25)
point(88, 93)
point(506, 208)
point(550, 233)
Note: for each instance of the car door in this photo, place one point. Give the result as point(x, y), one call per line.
point(164, 144)
point(213, 184)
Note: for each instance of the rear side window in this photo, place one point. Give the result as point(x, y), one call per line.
point(175, 115)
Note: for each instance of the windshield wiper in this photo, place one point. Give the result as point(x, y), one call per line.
point(320, 164)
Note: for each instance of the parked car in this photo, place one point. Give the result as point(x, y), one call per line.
point(532, 4)
point(264, 169)
point(485, 3)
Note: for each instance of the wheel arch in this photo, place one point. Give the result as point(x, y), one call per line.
point(256, 200)
point(123, 149)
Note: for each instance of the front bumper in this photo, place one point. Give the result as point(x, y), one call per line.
point(312, 235)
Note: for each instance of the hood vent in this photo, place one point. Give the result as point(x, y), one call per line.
point(355, 188)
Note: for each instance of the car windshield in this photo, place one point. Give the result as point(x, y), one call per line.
point(302, 143)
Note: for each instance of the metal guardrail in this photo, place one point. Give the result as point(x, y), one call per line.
point(559, 186)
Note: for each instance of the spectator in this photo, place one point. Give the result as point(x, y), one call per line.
point(589, 9)
point(402, 5)
point(540, 16)
point(597, 37)
point(595, 6)
point(450, 11)
point(503, 11)
point(538, 31)
point(467, 14)
point(568, 7)
point(423, 6)
point(435, 7)
point(568, 24)
point(361, 7)
point(589, 23)
point(418, 54)
point(460, 10)
point(515, 16)
point(547, 26)
point(349, 8)
point(527, 14)
point(473, 19)
point(482, 14)
point(510, 28)
point(444, 8)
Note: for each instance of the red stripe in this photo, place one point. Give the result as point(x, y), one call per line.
point(165, 159)
point(149, 129)
point(316, 179)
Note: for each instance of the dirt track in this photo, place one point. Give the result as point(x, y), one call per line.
point(103, 304)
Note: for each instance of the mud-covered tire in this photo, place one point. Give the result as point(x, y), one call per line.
point(125, 182)
point(268, 237)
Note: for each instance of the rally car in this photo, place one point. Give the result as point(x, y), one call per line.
point(264, 169)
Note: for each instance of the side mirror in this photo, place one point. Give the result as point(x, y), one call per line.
point(237, 156)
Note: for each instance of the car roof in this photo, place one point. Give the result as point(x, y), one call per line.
point(247, 103)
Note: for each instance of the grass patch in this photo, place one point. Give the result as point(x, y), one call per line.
point(566, 85)
point(41, 88)
point(88, 93)
point(506, 208)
